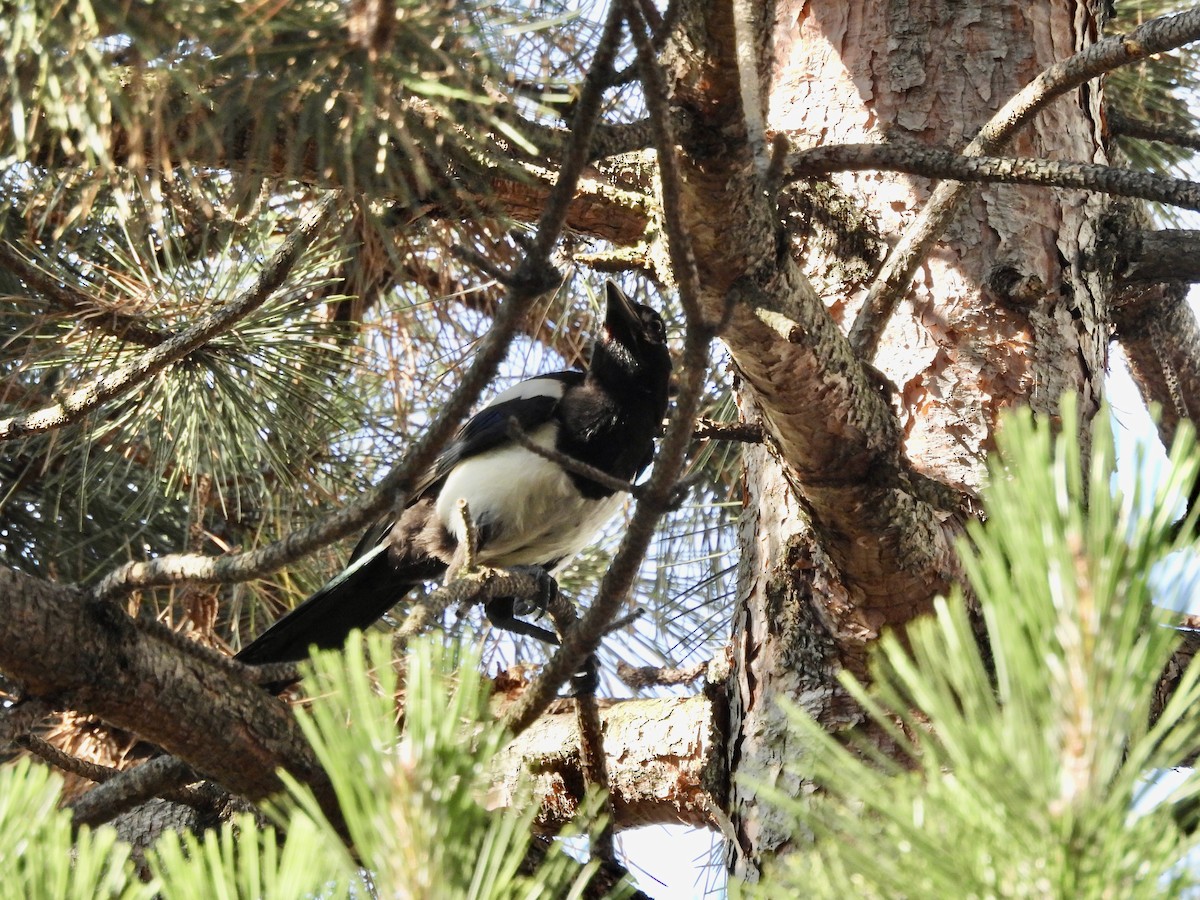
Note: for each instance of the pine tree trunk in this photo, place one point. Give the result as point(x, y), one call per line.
point(1007, 311)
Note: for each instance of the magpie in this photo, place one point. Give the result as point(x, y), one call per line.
point(526, 510)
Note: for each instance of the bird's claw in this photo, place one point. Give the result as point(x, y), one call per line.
point(505, 612)
point(547, 590)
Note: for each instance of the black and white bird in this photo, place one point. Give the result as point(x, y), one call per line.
point(527, 510)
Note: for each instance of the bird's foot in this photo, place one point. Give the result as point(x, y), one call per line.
point(545, 592)
point(500, 613)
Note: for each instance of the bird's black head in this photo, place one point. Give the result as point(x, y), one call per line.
point(633, 346)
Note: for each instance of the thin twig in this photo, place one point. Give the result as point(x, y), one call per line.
point(576, 157)
point(935, 163)
point(478, 585)
point(269, 673)
point(204, 797)
point(593, 762)
point(274, 673)
point(617, 624)
point(470, 534)
point(83, 400)
point(656, 493)
point(1156, 36)
point(570, 463)
point(480, 262)
point(89, 771)
point(679, 244)
point(186, 645)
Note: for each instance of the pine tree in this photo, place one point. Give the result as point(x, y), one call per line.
point(257, 263)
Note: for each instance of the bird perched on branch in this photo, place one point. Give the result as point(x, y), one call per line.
point(526, 510)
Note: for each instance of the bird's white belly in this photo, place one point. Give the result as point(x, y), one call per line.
point(532, 511)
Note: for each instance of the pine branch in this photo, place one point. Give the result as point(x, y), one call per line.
point(206, 714)
point(945, 164)
point(1123, 125)
point(892, 282)
point(88, 398)
point(119, 325)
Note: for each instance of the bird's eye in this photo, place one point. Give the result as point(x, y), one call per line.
point(654, 328)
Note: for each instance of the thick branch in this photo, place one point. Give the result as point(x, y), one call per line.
point(90, 656)
point(1167, 255)
point(934, 163)
point(664, 762)
point(831, 422)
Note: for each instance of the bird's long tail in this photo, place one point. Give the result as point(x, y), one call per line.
point(355, 598)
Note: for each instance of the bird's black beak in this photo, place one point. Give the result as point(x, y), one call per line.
point(621, 320)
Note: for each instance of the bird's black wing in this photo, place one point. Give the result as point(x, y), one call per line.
point(489, 428)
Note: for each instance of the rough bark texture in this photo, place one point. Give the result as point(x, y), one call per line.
point(995, 317)
point(1008, 311)
point(89, 655)
point(665, 763)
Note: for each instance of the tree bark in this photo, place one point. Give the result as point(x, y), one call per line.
point(665, 762)
point(1006, 312)
point(89, 655)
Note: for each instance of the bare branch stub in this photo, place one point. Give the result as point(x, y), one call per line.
point(742, 432)
point(641, 677)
